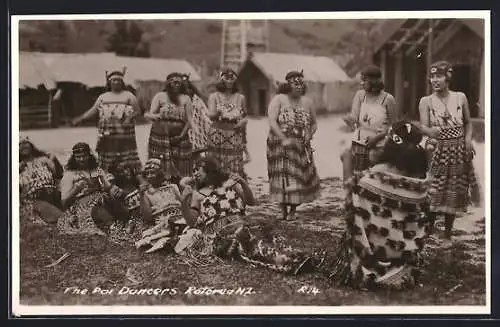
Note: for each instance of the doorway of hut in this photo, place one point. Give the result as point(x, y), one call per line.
point(262, 102)
point(462, 82)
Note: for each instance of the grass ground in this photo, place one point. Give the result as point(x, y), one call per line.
point(452, 276)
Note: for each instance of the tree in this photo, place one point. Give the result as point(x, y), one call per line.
point(127, 40)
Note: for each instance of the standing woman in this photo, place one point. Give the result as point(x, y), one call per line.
point(227, 110)
point(171, 113)
point(117, 109)
point(292, 173)
point(373, 111)
point(445, 118)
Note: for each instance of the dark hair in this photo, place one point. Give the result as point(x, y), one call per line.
point(174, 96)
point(35, 152)
point(403, 151)
point(285, 88)
point(215, 176)
point(120, 179)
point(371, 71)
point(444, 67)
point(187, 86)
point(92, 161)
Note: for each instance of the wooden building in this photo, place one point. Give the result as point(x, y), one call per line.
point(326, 81)
point(77, 92)
point(407, 47)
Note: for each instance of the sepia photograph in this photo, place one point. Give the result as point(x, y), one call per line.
point(277, 163)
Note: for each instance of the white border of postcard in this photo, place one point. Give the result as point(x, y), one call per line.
point(29, 310)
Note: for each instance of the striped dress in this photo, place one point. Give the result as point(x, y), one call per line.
point(293, 178)
point(176, 155)
point(116, 130)
point(453, 177)
point(224, 143)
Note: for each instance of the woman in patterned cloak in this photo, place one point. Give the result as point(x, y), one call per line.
point(116, 109)
point(39, 175)
point(293, 178)
point(171, 113)
point(445, 119)
point(214, 208)
point(201, 123)
point(83, 194)
point(227, 136)
point(386, 224)
point(160, 207)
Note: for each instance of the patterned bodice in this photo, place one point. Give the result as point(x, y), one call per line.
point(163, 198)
point(113, 113)
point(91, 180)
point(294, 121)
point(230, 109)
point(35, 176)
point(447, 114)
point(221, 203)
point(172, 112)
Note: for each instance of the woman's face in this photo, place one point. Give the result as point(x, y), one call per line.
point(175, 84)
point(125, 172)
point(25, 149)
point(438, 82)
point(368, 82)
point(150, 174)
point(199, 173)
point(81, 158)
point(229, 79)
point(296, 86)
point(297, 89)
point(116, 83)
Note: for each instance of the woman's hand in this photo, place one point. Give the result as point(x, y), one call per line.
point(286, 142)
point(76, 121)
point(237, 178)
point(79, 185)
point(433, 132)
point(242, 123)
point(469, 148)
point(187, 191)
point(371, 142)
point(153, 117)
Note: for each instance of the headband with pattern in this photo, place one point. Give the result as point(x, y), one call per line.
point(440, 70)
point(81, 148)
point(116, 74)
point(152, 164)
point(295, 77)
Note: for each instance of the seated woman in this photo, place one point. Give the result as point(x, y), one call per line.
point(123, 201)
point(39, 172)
point(160, 206)
point(216, 211)
point(385, 233)
point(82, 194)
